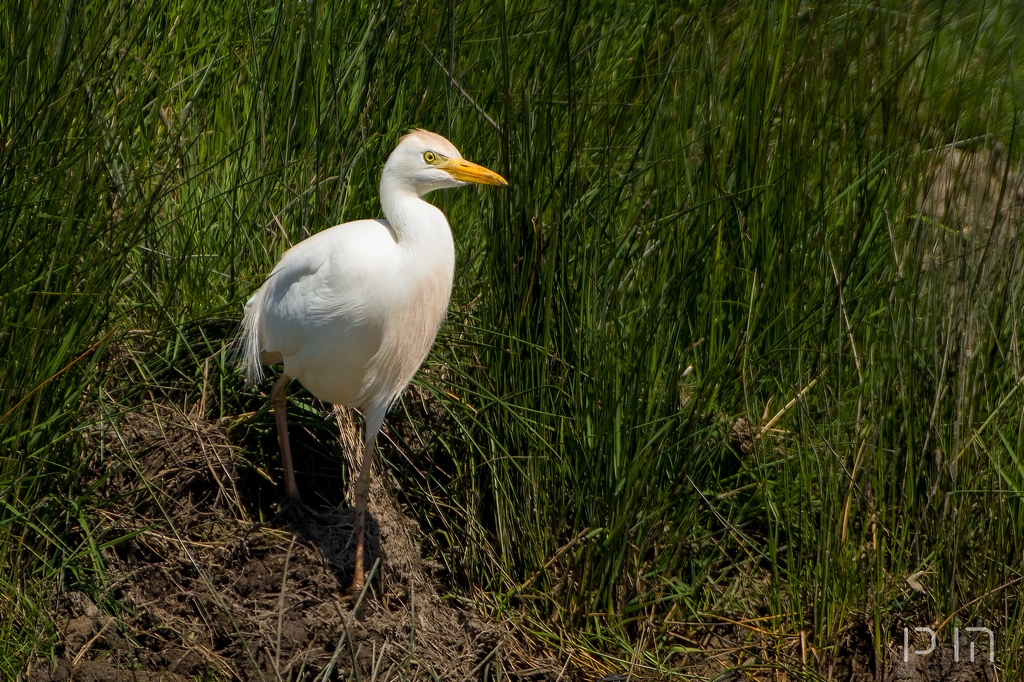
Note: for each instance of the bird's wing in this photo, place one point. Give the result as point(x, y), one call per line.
point(320, 291)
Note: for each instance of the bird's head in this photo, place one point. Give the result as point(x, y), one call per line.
point(424, 161)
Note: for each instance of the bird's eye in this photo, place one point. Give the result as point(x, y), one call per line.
point(430, 157)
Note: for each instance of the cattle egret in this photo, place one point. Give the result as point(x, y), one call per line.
point(353, 311)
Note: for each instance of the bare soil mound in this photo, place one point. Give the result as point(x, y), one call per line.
point(197, 592)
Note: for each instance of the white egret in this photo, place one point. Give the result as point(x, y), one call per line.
point(353, 311)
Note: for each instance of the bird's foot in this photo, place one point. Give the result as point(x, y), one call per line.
point(359, 583)
point(294, 514)
point(354, 590)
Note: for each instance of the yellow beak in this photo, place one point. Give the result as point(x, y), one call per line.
point(466, 171)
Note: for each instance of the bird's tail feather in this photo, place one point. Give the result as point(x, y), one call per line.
point(250, 339)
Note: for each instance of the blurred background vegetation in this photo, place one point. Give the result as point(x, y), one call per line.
point(742, 339)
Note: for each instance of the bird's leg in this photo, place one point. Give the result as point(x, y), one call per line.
point(362, 491)
point(292, 510)
point(279, 399)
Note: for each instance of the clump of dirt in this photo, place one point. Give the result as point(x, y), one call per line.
point(197, 592)
point(974, 190)
point(972, 199)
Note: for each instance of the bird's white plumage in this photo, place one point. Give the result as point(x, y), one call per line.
point(352, 311)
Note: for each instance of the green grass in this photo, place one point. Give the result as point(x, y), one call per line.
point(715, 213)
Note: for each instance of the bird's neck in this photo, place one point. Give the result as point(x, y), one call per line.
point(415, 222)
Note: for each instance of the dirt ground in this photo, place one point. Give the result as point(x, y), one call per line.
point(203, 595)
point(197, 592)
